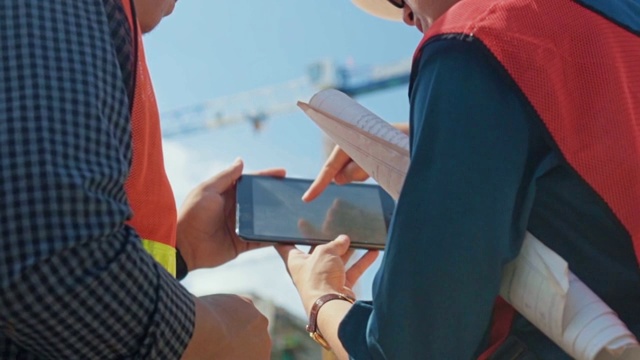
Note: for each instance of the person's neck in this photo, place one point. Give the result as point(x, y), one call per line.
point(439, 7)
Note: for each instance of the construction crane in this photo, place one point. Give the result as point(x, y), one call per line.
point(257, 105)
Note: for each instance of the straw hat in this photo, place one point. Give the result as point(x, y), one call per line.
point(380, 8)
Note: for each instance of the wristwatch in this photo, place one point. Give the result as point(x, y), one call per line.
point(312, 327)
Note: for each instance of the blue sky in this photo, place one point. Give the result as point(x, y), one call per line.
point(209, 48)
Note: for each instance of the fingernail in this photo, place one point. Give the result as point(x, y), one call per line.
point(237, 161)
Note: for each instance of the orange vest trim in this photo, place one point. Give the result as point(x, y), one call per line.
point(147, 187)
point(580, 73)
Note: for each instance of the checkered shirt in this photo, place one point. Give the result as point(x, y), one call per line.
point(75, 282)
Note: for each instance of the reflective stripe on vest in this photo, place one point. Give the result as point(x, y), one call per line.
point(163, 253)
point(594, 93)
point(148, 190)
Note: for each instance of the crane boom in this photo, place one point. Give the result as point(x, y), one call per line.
point(257, 105)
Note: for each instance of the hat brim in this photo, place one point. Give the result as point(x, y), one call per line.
point(380, 8)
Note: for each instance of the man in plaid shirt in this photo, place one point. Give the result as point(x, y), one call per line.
point(75, 282)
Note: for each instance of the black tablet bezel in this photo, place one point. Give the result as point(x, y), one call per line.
point(245, 209)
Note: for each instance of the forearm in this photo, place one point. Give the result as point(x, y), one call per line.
point(220, 331)
point(329, 318)
point(228, 327)
point(208, 326)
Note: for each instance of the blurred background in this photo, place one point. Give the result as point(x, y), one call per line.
point(227, 75)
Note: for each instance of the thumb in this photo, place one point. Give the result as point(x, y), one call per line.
point(227, 177)
point(339, 246)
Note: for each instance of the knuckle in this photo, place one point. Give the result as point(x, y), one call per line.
point(247, 299)
point(263, 321)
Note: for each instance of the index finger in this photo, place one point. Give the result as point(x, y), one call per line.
point(336, 161)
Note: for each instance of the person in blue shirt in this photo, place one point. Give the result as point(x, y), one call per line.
point(485, 168)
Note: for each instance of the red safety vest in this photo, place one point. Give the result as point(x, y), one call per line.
point(148, 190)
point(581, 73)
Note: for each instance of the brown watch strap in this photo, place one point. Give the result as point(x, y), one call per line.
point(312, 327)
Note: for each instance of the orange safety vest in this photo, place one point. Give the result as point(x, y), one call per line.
point(581, 73)
point(148, 190)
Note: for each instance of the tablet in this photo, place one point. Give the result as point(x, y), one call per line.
point(270, 209)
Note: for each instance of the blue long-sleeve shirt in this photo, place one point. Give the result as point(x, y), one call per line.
point(483, 170)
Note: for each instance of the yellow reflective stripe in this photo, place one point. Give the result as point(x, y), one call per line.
point(163, 253)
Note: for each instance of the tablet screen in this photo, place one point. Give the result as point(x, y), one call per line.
point(355, 209)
